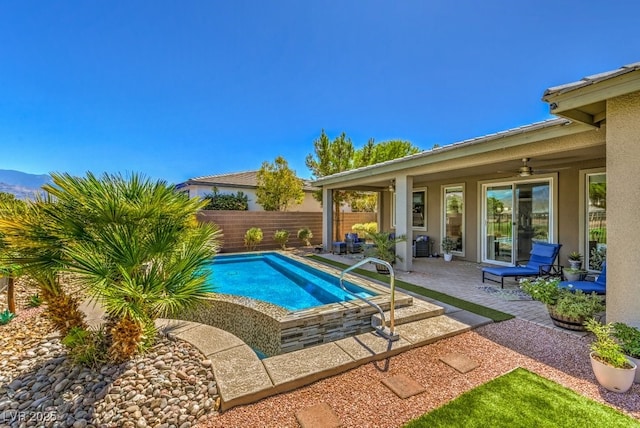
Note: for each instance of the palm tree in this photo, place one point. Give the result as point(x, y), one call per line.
point(137, 247)
point(33, 246)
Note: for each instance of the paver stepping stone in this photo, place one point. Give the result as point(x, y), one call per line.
point(403, 386)
point(318, 416)
point(460, 362)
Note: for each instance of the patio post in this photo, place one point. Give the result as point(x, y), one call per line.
point(404, 198)
point(327, 219)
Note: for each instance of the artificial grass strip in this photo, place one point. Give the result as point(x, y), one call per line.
point(493, 314)
point(523, 399)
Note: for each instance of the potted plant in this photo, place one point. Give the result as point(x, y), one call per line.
point(448, 245)
point(567, 308)
point(384, 248)
point(613, 370)
point(575, 260)
point(629, 339)
point(573, 274)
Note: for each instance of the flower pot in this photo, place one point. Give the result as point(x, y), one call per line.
point(382, 269)
point(573, 276)
point(575, 324)
point(575, 264)
point(448, 257)
point(612, 378)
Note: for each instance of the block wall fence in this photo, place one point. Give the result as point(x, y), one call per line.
point(234, 224)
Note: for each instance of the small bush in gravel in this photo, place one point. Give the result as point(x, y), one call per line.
point(6, 316)
point(281, 237)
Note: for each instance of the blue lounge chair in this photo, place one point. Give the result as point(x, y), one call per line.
point(541, 263)
point(599, 286)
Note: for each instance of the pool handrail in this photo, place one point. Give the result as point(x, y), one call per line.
point(391, 335)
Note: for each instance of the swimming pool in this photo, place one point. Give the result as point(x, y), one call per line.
point(280, 280)
point(274, 329)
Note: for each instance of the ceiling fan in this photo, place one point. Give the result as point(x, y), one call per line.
point(526, 170)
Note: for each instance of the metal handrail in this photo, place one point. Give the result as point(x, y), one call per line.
point(392, 285)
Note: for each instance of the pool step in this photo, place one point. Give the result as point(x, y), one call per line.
point(418, 311)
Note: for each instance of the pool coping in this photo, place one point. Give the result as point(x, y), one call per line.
point(243, 378)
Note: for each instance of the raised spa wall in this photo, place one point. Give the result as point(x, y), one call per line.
point(274, 330)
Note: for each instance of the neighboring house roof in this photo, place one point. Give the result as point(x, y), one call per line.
point(243, 180)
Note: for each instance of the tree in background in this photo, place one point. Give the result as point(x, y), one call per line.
point(278, 186)
point(332, 157)
point(373, 153)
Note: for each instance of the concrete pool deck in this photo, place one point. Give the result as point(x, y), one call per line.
point(243, 378)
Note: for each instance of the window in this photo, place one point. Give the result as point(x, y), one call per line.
point(418, 209)
point(596, 224)
point(453, 215)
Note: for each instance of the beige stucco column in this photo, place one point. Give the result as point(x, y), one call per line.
point(404, 194)
point(327, 219)
point(623, 208)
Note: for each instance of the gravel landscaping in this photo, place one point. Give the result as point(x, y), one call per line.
point(173, 386)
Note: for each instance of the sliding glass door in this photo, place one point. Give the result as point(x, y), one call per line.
point(515, 215)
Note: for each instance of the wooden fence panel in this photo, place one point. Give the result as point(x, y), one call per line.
point(234, 224)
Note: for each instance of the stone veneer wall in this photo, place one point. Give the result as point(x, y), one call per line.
point(325, 326)
point(234, 314)
point(234, 224)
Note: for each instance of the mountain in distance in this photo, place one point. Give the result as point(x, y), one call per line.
point(22, 184)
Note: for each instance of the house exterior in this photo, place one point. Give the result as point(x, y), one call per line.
point(247, 183)
point(571, 180)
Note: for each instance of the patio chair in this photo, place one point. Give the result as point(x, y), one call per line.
point(541, 263)
point(599, 286)
point(354, 244)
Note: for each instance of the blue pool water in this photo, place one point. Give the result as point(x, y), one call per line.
point(274, 278)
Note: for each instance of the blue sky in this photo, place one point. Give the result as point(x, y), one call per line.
point(180, 89)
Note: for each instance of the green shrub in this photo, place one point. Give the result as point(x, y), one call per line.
point(226, 201)
point(86, 347)
point(629, 338)
point(305, 235)
point(281, 237)
point(34, 301)
point(6, 316)
point(365, 228)
point(252, 238)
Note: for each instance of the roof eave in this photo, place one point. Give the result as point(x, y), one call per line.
point(569, 100)
point(519, 136)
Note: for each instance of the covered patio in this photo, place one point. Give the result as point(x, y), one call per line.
point(463, 279)
point(545, 182)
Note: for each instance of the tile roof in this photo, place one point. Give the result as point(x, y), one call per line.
point(590, 80)
point(236, 179)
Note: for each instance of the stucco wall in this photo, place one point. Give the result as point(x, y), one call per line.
point(568, 209)
point(623, 206)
